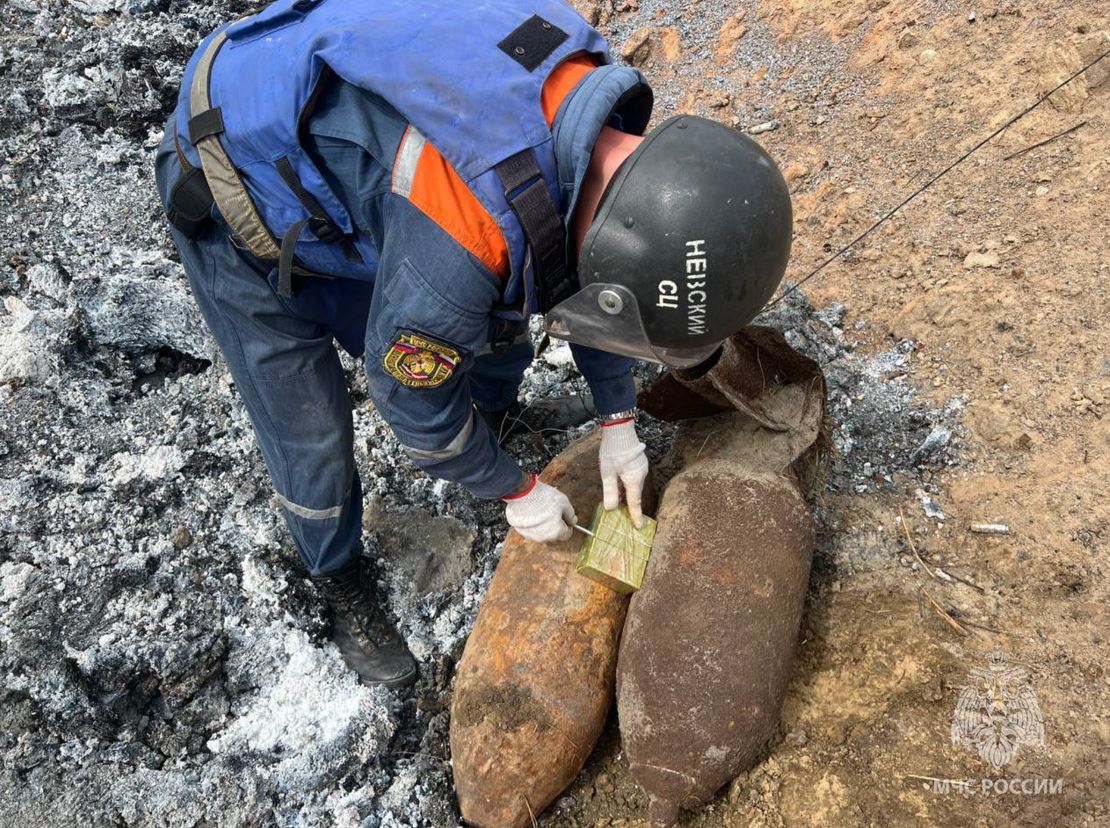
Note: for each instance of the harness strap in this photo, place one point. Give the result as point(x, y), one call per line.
point(526, 192)
point(231, 196)
point(319, 222)
point(182, 158)
point(286, 260)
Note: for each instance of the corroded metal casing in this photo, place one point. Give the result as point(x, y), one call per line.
point(616, 554)
point(535, 681)
point(706, 653)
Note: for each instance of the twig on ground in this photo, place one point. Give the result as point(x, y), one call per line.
point(932, 778)
point(952, 622)
point(913, 548)
point(986, 628)
point(704, 442)
point(418, 753)
point(531, 815)
point(936, 572)
point(957, 577)
point(1048, 140)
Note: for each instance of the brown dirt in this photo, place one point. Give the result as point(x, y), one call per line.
point(894, 92)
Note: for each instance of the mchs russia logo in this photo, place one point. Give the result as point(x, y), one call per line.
point(997, 713)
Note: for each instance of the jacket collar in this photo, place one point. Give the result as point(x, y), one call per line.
point(617, 96)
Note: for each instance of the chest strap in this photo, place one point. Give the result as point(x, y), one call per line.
point(231, 196)
point(527, 194)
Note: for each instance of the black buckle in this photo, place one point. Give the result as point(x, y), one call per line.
point(190, 204)
point(325, 231)
point(504, 335)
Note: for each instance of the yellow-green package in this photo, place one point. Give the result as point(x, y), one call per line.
point(616, 554)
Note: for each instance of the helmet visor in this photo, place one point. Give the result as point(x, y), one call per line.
point(607, 317)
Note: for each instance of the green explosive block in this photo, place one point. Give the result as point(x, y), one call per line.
point(616, 555)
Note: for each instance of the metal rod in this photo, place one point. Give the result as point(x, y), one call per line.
point(625, 535)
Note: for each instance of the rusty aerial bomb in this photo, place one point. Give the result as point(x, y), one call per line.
point(535, 681)
point(709, 639)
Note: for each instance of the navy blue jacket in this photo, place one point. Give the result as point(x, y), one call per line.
point(427, 282)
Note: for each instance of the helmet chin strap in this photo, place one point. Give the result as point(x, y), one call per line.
point(612, 147)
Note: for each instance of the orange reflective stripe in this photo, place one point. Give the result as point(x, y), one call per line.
point(438, 191)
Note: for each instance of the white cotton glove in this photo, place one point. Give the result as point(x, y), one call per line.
point(622, 458)
point(541, 513)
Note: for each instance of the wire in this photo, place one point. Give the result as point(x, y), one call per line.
point(931, 182)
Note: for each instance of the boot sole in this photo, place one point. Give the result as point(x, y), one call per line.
point(407, 680)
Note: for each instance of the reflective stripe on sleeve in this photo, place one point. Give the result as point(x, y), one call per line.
point(452, 450)
point(408, 156)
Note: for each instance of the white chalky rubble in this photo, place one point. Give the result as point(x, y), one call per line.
point(162, 659)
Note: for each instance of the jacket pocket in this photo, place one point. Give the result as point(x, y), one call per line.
point(412, 302)
point(274, 17)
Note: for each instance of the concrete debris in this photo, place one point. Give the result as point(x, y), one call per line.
point(990, 528)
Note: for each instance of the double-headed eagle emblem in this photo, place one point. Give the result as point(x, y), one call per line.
point(997, 713)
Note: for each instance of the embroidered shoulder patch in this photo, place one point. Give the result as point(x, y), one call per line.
point(417, 361)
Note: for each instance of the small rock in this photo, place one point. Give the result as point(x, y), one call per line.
point(938, 439)
point(717, 100)
point(1102, 730)
point(976, 259)
point(181, 538)
point(928, 56)
point(646, 43)
point(931, 507)
point(907, 39)
point(766, 126)
point(637, 49)
point(798, 738)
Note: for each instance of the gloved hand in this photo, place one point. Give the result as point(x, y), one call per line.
point(540, 512)
point(622, 458)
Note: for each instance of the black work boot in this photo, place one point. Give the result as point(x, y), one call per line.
point(548, 414)
point(504, 422)
point(368, 642)
point(561, 412)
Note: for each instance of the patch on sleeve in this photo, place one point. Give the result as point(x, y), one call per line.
point(417, 361)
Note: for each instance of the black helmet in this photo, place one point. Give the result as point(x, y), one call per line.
point(689, 242)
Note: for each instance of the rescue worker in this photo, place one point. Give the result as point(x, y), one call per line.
point(413, 179)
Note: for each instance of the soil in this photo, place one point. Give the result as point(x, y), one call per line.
point(163, 660)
